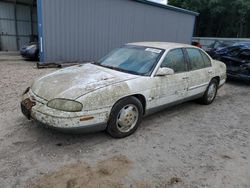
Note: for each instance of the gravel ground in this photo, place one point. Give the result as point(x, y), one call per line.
point(189, 145)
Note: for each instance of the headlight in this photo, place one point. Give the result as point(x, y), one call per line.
point(65, 105)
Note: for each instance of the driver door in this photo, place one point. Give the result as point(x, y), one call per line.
point(174, 87)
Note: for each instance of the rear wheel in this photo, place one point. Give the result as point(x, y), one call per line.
point(210, 93)
point(125, 117)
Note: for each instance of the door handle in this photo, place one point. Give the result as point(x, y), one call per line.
point(185, 78)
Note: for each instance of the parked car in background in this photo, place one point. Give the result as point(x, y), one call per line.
point(218, 45)
point(30, 51)
point(226, 48)
point(197, 44)
point(238, 63)
point(115, 93)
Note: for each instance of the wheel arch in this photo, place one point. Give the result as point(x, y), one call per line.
point(216, 78)
point(140, 97)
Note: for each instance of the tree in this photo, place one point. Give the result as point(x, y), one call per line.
point(219, 18)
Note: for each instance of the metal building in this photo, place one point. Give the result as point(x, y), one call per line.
point(18, 23)
point(82, 30)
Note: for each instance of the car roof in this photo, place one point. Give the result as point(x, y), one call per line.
point(246, 44)
point(162, 45)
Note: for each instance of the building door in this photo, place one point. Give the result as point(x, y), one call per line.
point(18, 24)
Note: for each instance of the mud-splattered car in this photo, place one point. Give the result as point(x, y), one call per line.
point(115, 93)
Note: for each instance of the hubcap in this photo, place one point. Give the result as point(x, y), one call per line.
point(211, 92)
point(127, 118)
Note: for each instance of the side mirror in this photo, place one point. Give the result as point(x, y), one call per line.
point(164, 71)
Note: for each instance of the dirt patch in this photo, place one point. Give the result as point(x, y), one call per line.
point(141, 184)
point(107, 174)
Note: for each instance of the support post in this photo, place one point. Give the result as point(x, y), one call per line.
point(16, 26)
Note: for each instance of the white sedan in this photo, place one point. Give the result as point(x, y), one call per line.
point(115, 93)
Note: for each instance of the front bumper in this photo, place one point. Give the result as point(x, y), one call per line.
point(85, 121)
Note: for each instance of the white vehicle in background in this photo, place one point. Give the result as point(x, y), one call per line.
point(115, 93)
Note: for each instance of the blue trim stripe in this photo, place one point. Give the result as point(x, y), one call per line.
point(40, 30)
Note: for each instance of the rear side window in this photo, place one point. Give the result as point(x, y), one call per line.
point(175, 60)
point(206, 59)
point(195, 58)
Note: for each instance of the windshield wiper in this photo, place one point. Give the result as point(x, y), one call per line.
point(124, 70)
point(117, 68)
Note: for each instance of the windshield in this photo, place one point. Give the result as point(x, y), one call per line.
point(132, 59)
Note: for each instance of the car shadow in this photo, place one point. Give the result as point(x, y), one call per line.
point(43, 137)
point(237, 82)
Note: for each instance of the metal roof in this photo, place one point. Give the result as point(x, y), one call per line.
point(169, 7)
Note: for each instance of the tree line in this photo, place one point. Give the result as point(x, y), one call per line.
point(219, 18)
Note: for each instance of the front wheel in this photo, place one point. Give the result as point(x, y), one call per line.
point(210, 93)
point(125, 117)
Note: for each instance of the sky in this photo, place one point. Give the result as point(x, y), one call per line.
point(160, 1)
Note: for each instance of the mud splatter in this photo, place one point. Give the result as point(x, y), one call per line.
point(107, 174)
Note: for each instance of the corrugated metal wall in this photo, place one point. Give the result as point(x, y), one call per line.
point(7, 27)
point(86, 30)
point(14, 34)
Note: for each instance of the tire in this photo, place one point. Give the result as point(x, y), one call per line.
point(125, 117)
point(211, 92)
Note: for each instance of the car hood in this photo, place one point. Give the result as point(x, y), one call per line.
point(74, 82)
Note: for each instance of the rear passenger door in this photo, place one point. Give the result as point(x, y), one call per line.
point(200, 71)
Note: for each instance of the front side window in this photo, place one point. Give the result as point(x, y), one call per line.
point(132, 59)
point(195, 59)
point(175, 60)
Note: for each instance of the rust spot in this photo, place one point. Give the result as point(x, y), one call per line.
point(28, 103)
